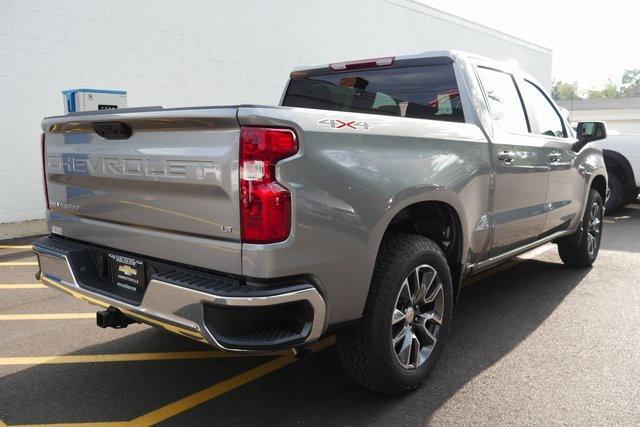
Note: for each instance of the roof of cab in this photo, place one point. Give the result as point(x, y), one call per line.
point(454, 55)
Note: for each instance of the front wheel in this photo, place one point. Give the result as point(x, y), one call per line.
point(399, 339)
point(585, 252)
point(616, 194)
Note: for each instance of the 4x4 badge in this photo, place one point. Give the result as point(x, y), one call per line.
point(345, 124)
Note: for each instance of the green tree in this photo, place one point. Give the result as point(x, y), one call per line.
point(562, 91)
point(631, 83)
point(609, 90)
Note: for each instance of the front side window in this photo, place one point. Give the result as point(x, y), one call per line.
point(503, 99)
point(422, 92)
point(544, 119)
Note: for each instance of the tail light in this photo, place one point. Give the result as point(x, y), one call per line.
point(44, 170)
point(265, 205)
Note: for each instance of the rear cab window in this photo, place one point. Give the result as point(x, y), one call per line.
point(421, 92)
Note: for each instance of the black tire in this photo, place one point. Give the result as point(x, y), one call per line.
point(632, 197)
point(366, 350)
point(577, 251)
point(616, 194)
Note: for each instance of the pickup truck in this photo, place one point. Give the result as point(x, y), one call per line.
point(622, 158)
point(355, 207)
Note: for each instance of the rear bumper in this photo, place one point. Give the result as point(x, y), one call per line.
point(191, 303)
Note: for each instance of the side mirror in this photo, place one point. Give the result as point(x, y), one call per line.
point(591, 131)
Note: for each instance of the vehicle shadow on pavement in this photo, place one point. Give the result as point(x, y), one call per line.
point(627, 224)
point(492, 318)
point(112, 391)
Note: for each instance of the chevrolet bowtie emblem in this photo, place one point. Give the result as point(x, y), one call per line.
point(129, 271)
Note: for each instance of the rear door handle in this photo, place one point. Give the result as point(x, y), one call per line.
point(507, 156)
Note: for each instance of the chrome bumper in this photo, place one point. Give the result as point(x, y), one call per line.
point(175, 308)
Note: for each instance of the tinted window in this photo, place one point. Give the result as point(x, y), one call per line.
point(504, 101)
point(425, 92)
point(543, 117)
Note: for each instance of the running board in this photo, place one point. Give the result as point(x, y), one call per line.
point(483, 265)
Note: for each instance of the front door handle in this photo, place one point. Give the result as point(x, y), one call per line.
point(554, 157)
point(507, 156)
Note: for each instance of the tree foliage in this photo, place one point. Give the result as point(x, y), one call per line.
point(609, 90)
point(631, 83)
point(630, 87)
point(562, 91)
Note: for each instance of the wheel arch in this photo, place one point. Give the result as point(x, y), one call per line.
point(425, 216)
point(618, 164)
point(599, 183)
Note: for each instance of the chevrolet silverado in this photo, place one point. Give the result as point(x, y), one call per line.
point(355, 207)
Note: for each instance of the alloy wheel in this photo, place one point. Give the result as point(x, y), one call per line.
point(417, 317)
point(594, 228)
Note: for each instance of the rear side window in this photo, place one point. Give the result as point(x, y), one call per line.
point(545, 120)
point(421, 92)
point(503, 99)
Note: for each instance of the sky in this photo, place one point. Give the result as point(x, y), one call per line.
point(591, 40)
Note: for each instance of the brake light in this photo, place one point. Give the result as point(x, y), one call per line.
point(44, 170)
point(265, 205)
point(364, 63)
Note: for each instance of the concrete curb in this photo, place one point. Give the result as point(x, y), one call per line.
point(14, 230)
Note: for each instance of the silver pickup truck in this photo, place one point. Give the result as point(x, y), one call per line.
point(356, 207)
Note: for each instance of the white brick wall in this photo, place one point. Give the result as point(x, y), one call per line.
point(196, 52)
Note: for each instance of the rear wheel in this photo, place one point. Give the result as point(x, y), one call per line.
point(400, 336)
point(582, 252)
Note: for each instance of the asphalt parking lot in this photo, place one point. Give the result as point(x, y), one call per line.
point(532, 342)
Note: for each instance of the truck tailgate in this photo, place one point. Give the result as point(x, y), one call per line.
point(173, 179)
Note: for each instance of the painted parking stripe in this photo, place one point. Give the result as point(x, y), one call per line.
point(16, 246)
point(48, 316)
point(208, 393)
point(246, 377)
point(124, 357)
point(621, 217)
point(22, 286)
point(19, 264)
point(223, 387)
point(100, 424)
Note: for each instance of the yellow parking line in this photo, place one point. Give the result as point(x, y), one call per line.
point(216, 390)
point(102, 424)
point(18, 263)
point(47, 316)
point(223, 387)
point(207, 394)
point(22, 286)
point(123, 357)
point(16, 247)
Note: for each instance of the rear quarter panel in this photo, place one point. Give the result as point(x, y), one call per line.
point(347, 184)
